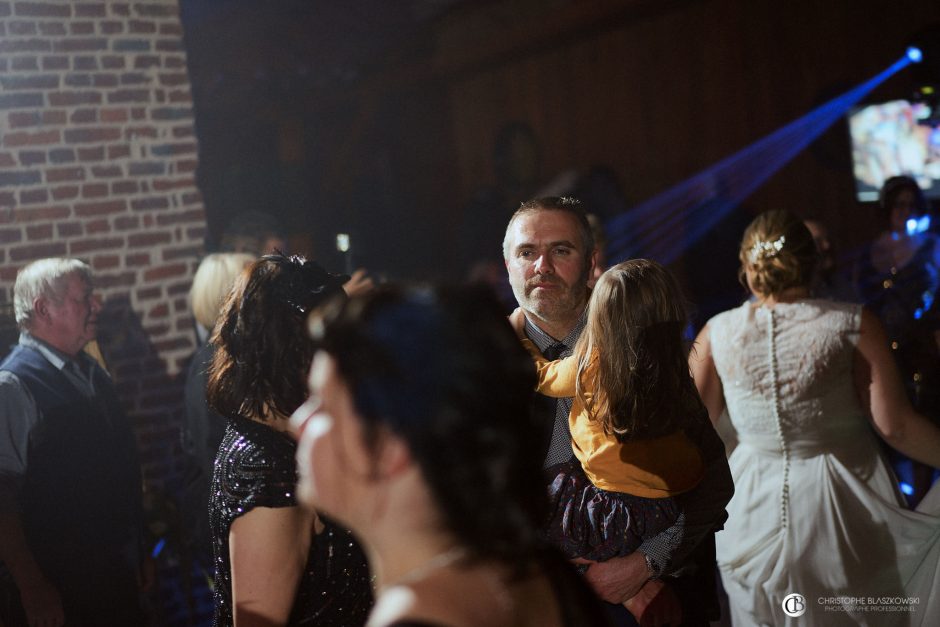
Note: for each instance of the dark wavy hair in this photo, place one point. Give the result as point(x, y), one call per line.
point(262, 350)
point(441, 368)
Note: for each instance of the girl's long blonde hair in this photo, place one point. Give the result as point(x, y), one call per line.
point(642, 386)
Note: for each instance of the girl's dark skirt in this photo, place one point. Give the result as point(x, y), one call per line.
point(597, 525)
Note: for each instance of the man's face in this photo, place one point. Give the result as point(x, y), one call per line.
point(73, 318)
point(548, 265)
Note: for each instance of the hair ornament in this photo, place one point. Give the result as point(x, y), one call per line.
point(762, 250)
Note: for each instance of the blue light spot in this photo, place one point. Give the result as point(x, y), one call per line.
point(914, 54)
point(907, 489)
point(918, 313)
point(158, 547)
point(911, 225)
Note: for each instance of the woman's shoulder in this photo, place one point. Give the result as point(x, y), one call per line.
point(257, 462)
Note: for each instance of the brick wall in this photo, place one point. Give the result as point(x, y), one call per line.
point(97, 161)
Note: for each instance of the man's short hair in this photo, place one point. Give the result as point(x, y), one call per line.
point(44, 278)
point(571, 206)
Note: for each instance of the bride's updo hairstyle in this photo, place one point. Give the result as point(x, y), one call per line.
point(779, 252)
point(442, 370)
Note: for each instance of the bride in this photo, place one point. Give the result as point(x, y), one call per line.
point(816, 512)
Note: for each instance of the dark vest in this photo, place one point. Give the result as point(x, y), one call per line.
point(80, 500)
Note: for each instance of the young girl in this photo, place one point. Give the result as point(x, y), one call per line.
point(632, 397)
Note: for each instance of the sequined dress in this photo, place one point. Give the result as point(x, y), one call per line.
point(255, 468)
point(904, 298)
point(815, 511)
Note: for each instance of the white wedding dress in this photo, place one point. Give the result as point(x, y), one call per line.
point(816, 511)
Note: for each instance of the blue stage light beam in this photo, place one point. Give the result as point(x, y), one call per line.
point(701, 201)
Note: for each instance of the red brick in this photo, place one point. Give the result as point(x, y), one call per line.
point(37, 138)
point(82, 28)
point(68, 229)
point(81, 246)
point(90, 9)
point(148, 293)
point(74, 98)
point(94, 190)
point(38, 251)
point(95, 153)
point(7, 160)
point(55, 212)
point(83, 116)
point(177, 289)
point(138, 259)
point(91, 135)
point(196, 233)
point(31, 157)
point(162, 185)
point(111, 28)
point(124, 187)
point(159, 311)
point(126, 223)
point(172, 79)
point(181, 132)
point(141, 26)
point(170, 28)
point(118, 151)
point(39, 231)
point(55, 63)
point(185, 165)
point(185, 252)
point(113, 115)
point(97, 226)
point(165, 272)
point(107, 171)
point(19, 119)
point(52, 29)
point(124, 279)
point(149, 239)
point(43, 9)
point(55, 175)
point(33, 196)
point(100, 208)
point(8, 236)
point(191, 215)
point(146, 204)
point(80, 44)
point(112, 62)
point(65, 192)
point(105, 262)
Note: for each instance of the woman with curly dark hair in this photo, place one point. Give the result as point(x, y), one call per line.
point(418, 435)
point(276, 564)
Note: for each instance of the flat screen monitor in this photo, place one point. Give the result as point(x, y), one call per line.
point(888, 140)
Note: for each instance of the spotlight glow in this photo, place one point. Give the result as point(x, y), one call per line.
point(914, 54)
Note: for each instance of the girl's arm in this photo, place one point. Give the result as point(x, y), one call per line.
point(702, 365)
point(881, 389)
point(268, 549)
point(556, 378)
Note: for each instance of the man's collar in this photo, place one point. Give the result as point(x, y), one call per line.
point(543, 340)
point(54, 356)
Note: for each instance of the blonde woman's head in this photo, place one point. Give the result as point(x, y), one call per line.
point(777, 253)
point(211, 284)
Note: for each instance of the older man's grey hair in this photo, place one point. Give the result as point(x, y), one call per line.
point(44, 278)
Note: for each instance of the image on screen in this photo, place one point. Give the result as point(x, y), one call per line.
point(887, 140)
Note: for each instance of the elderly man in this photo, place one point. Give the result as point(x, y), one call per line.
point(550, 256)
point(70, 485)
